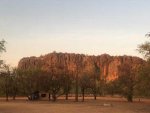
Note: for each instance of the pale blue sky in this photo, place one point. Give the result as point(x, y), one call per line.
point(35, 27)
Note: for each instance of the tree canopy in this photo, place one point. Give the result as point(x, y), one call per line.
point(143, 79)
point(145, 48)
point(2, 45)
point(2, 49)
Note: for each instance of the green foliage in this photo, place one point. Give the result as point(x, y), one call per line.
point(90, 80)
point(126, 81)
point(5, 84)
point(145, 48)
point(113, 87)
point(102, 87)
point(29, 80)
point(2, 46)
point(143, 80)
point(67, 81)
point(55, 82)
point(5, 81)
point(84, 81)
point(2, 49)
point(3, 75)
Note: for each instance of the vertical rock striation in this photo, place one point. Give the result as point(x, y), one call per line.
point(108, 65)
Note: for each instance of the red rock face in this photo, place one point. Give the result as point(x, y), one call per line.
point(108, 65)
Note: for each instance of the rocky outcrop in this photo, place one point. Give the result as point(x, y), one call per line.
point(73, 63)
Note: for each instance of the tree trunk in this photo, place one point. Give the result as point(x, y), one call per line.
point(14, 94)
point(130, 95)
point(130, 98)
point(49, 97)
point(94, 96)
point(14, 97)
point(6, 96)
point(83, 94)
point(54, 97)
point(66, 95)
point(76, 94)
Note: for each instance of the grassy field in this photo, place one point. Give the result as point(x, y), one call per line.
point(101, 105)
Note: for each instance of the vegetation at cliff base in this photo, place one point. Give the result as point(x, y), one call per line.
point(87, 77)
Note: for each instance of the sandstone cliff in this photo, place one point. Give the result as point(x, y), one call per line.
point(108, 65)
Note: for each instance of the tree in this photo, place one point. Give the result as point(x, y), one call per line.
point(2, 49)
point(112, 87)
point(102, 86)
point(95, 72)
point(66, 83)
point(126, 81)
point(56, 84)
point(57, 81)
point(2, 46)
point(2, 74)
point(77, 82)
point(28, 80)
point(5, 81)
point(143, 80)
point(14, 83)
point(44, 81)
point(145, 48)
point(84, 83)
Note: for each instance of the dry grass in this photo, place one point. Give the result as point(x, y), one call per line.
point(118, 105)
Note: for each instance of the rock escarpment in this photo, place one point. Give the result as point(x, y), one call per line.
point(108, 65)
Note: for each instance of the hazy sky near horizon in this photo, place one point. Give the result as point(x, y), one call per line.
point(94, 27)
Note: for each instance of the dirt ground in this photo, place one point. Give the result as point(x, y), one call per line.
point(101, 105)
